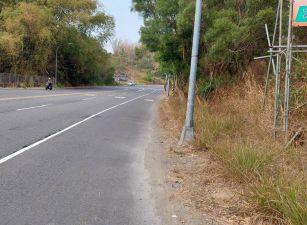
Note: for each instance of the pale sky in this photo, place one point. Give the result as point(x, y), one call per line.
point(127, 23)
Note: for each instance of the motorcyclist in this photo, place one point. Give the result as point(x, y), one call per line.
point(49, 84)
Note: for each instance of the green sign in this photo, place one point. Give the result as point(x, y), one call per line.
point(301, 15)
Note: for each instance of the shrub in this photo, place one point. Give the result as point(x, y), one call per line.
point(148, 77)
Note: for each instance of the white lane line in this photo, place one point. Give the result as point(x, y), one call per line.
point(119, 97)
point(90, 95)
point(5, 159)
point(148, 100)
point(87, 99)
point(34, 107)
point(140, 90)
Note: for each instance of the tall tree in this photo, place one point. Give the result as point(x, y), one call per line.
point(232, 33)
point(76, 28)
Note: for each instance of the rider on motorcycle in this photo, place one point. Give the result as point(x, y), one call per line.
point(49, 84)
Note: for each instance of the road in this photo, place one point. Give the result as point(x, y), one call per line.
point(76, 156)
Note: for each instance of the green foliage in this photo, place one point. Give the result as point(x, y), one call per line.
point(206, 87)
point(144, 60)
point(232, 33)
point(148, 77)
point(28, 41)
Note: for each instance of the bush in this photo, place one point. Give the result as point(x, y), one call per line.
point(148, 77)
point(206, 87)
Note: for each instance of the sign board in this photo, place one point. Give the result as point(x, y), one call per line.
point(299, 13)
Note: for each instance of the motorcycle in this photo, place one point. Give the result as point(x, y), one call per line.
point(49, 86)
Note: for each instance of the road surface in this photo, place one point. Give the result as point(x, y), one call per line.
point(76, 156)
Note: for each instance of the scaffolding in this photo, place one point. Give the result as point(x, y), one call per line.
point(277, 53)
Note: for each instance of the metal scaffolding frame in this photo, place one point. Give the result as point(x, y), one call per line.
point(276, 54)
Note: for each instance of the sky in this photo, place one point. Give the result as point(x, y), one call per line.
point(127, 23)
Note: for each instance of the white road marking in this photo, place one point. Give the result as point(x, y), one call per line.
point(140, 90)
point(7, 158)
point(87, 99)
point(90, 95)
point(34, 107)
point(119, 97)
point(148, 100)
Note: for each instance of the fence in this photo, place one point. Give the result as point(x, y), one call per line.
point(17, 80)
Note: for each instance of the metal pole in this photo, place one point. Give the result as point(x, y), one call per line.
point(271, 52)
point(288, 72)
point(56, 65)
point(277, 79)
point(271, 62)
point(188, 131)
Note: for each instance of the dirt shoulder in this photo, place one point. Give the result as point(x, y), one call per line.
point(169, 176)
point(190, 186)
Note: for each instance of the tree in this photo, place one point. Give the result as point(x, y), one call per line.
point(232, 34)
point(28, 41)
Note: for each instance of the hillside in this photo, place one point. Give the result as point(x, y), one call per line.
point(137, 62)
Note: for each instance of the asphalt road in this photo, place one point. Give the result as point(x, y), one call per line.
point(76, 156)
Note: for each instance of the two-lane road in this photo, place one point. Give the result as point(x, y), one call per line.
point(76, 157)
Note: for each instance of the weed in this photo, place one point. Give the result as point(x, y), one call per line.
point(249, 161)
point(283, 198)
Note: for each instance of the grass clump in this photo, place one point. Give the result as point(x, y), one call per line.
point(250, 162)
point(210, 128)
point(282, 198)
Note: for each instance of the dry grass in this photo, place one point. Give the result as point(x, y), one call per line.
point(238, 132)
point(287, 200)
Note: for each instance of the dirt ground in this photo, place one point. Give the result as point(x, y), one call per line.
point(189, 185)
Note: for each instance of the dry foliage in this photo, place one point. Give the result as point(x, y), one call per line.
point(238, 133)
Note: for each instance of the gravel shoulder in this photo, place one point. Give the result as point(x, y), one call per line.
point(189, 185)
point(166, 180)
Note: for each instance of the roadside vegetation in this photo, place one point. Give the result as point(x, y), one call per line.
point(230, 121)
point(31, 32)
point(136, 61)
point(238, 133)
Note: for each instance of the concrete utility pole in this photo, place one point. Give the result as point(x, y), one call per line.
point(188, 131)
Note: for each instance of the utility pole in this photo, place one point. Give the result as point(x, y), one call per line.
point(187, 134)
point(167, 85)
point(56, 65)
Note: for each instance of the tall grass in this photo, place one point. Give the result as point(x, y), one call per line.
point(250, 162)
point(235, 128)
point(283, 198)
